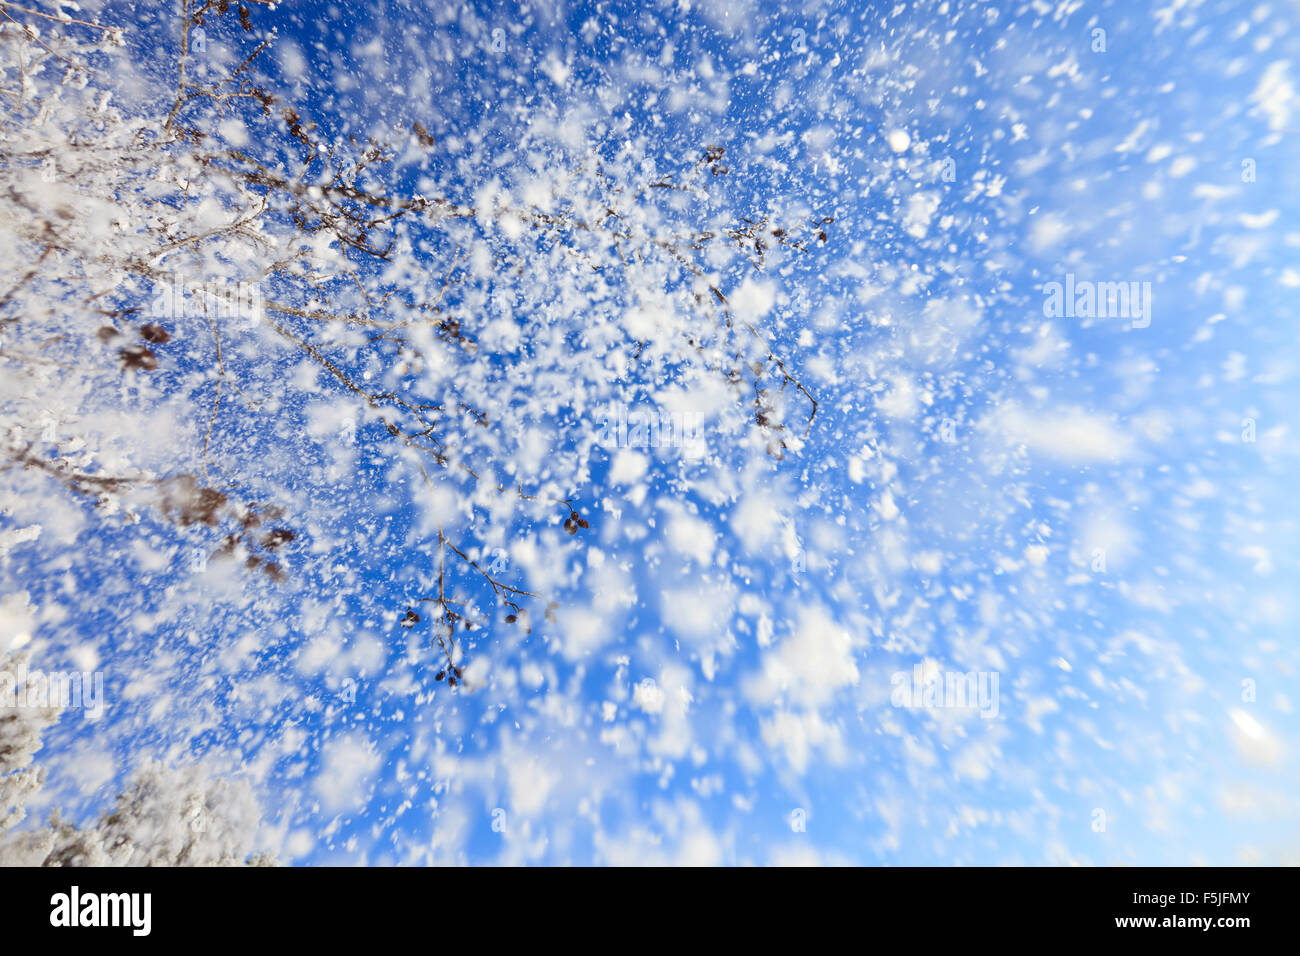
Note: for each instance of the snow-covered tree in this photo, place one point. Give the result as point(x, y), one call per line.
point(276, 354)
point(21, 729)
point(200, 263)
point(166, 817)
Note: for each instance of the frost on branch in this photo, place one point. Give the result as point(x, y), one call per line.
point(20, 737)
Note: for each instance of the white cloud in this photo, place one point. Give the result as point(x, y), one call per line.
point(1072, 434)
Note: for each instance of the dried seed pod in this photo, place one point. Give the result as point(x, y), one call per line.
point(277, 537)
point(138, 357)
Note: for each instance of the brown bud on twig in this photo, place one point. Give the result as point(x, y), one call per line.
point(139, 357)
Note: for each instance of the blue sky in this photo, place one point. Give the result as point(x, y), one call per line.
point(970, 458)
